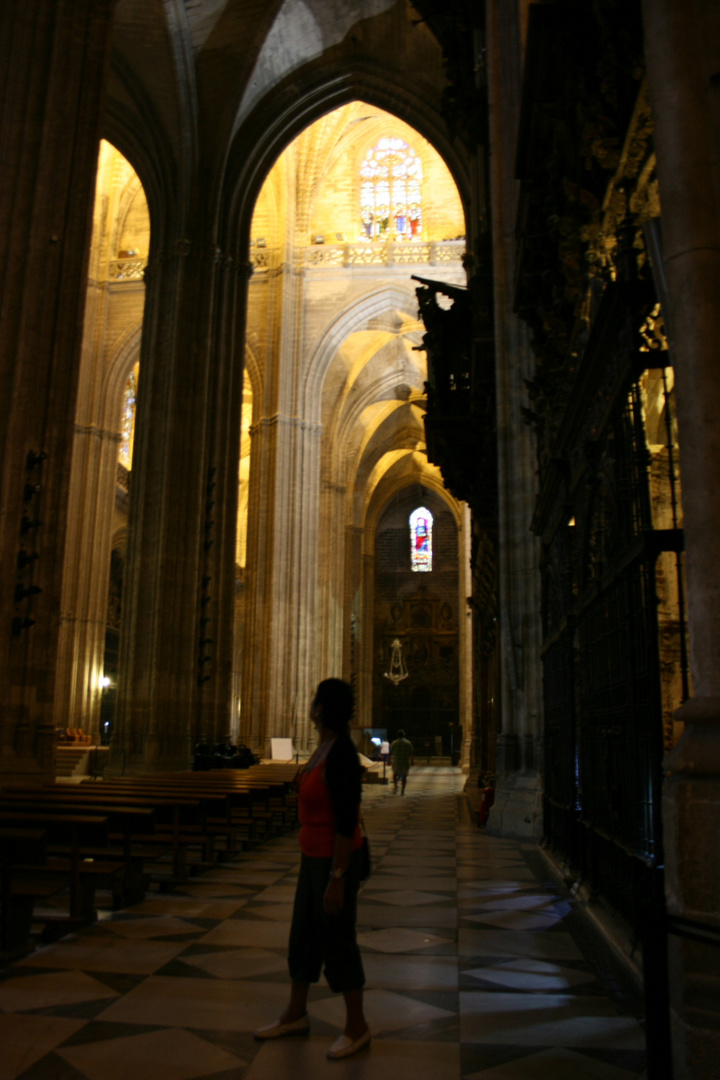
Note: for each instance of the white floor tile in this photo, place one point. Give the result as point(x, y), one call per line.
point(504, 943)
point(156, 1055)
point(546, 1020)
point(404, 897)
point(384, 1010)
point(51, 989)
point(276, 894)
point(213, 1004)
point(398, 940)
point(276, 912)
point(105, 952)
point(532, 975)
point(162, 926)
point(385, 1059)
point(238, 963)
point(249, 932)
point(514, 920)
point(392, 881)
point(554, 1064)
point(26, 1039)
point(410, 972)
point(187, 907)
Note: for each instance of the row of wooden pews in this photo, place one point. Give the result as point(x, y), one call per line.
point(61, 843)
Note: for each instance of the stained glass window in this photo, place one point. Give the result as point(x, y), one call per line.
point(421, 523)
point(127, 435)
point(391, 192)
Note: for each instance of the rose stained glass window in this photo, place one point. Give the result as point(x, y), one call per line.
point(391, 192)
point(421, 523)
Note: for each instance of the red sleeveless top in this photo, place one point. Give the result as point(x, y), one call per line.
point(317, 818)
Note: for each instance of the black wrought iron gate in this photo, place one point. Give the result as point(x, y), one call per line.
point(608, 519)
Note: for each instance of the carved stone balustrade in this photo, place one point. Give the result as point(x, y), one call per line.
point(370, 253)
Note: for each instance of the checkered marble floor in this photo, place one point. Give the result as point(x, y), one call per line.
point(476, 969)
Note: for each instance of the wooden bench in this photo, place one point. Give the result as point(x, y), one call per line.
point(177, 822)
point(125, 825)
point(228, 812)
point(273, 797)
point(18, 893)
point(214, 824)
point(80, 876)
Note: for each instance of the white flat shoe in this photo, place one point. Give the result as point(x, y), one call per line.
point(344, 1046)
point(278, 1030)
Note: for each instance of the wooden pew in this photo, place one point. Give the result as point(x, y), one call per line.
point(274, 791)
point(18, 893)
point(177, 822)
point(217, 822)
point(125, 824)
point(79, 876)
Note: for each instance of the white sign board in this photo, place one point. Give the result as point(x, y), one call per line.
point(281, 749)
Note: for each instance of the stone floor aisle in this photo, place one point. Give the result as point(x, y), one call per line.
point(476, 968)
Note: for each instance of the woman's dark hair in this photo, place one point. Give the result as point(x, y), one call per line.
point(337, 700)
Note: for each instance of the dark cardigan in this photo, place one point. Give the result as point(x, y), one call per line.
point(343, 773)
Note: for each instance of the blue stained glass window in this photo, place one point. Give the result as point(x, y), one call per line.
point(128, 419)
point(421, 523)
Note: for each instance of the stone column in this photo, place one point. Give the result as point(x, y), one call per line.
point(517, 804)
point(91, 503)
point(53, 59)
point(215, 640)
point(355, 618)
point(282, 651)
point(280, 666)
point(335, 578)
point(682, 42)
point(367, 633)
point(176, 595)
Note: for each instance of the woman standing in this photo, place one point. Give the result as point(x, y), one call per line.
point(324, 915)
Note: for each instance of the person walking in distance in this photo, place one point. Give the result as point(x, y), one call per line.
point(402, 756)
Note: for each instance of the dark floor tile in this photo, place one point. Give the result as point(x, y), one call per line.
point(206, 924)
point(632, 1060)
point(122, 983)
point(100, 1030)
point(445, 1030)
point(178, 970)
point(228, 1074)
point(240, 1043)
point(80, 1010)
point(195, 949)
point(441, 999)
point(21, 972)
point(476, 1056)
point(51, 1067)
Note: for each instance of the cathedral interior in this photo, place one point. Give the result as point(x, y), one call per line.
point(376, 339)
